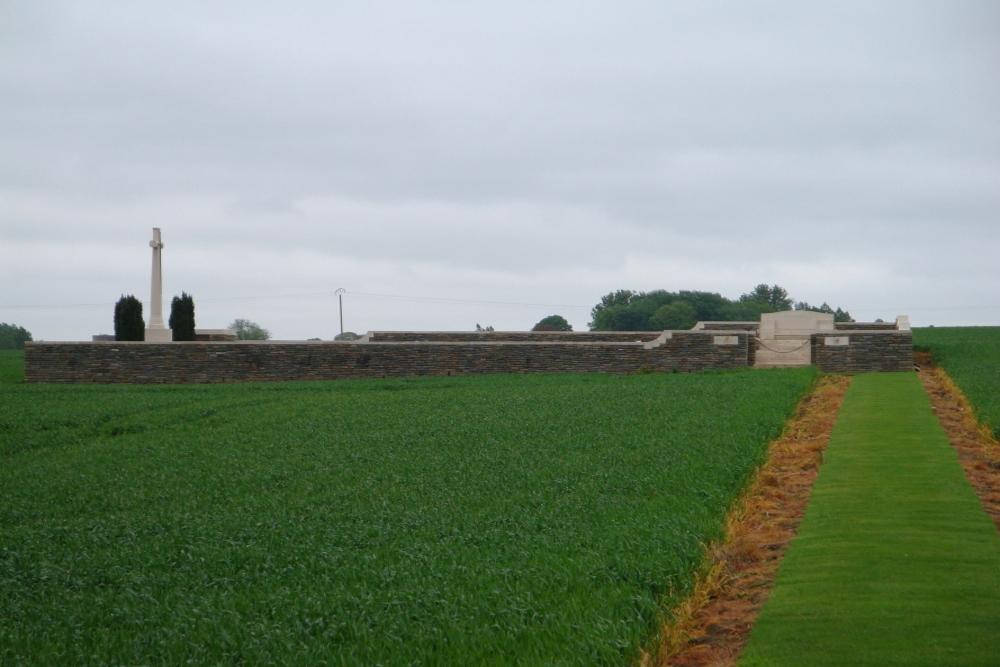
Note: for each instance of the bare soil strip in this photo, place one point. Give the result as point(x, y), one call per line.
point(978, 452)
point(713, 625)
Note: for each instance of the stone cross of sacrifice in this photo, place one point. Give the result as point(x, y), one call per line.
point(157, 331)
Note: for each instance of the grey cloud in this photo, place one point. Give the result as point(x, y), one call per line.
point(498, 138)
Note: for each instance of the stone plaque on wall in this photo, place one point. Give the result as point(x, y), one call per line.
point(726, 340)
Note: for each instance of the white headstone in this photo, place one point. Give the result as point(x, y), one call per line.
point(156, 331)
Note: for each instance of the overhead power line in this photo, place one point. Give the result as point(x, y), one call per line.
point(54, 306)
point(279, 297)
point(469, 301)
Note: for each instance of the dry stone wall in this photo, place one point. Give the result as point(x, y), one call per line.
point(844, 350)
point(754, 326)
point(265, 361)
point(862, 350)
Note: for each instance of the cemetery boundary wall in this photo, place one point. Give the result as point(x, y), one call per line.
point(265, 361)
point(862, 350)
point(414, 354)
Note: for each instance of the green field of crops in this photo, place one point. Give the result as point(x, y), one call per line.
point(496, 519)
point(11, 366)
point(971, 356)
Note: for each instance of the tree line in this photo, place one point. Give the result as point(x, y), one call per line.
point(627, 310)
point(621, 310)
point(13, 337)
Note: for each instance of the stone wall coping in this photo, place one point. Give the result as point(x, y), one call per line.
point(193, 342)
point(418, 343)
point(502, 333)
point(665, 335)
point(866, 332)
point(703, 324)
point(508, 334)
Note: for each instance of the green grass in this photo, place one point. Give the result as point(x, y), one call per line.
point(482, 520)
point(11, 366)
point(895, 562)
point(971, 356)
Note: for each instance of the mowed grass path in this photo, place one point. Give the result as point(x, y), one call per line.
point(479, 520)
point(895, 563)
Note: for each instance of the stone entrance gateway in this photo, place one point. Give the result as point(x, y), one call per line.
point(784, 337)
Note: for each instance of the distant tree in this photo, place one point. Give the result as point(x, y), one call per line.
point(553, 323)
point(838, 315)
point(347, 335)
point(604, 313)
point(13, 337)
point(708, 305)
point(676, 315)
point(774, 296)
point(744, 311)
point(182, 317)
point(247, 330)
point(842, 316)
point(129, 324)
point(627, 310)
point(802, 305)
point(479, 328)
point(622, 297)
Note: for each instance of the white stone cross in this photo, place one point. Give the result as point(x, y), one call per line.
point(156, 331)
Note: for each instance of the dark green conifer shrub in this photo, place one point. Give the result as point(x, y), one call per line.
point(129, 324)
point(182, 317)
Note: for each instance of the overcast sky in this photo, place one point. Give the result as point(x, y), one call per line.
point(495, 162)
